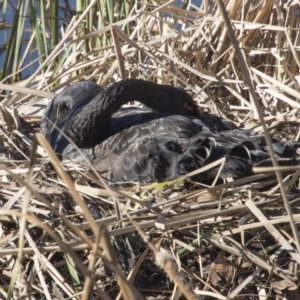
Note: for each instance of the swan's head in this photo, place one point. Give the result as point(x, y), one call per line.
point(177, 101)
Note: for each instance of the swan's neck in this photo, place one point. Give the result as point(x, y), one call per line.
point(162, 98)
point(90, 123)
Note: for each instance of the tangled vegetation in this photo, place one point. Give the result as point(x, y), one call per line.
point(65, 234)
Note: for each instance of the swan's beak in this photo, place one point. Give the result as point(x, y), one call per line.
point(193, 110)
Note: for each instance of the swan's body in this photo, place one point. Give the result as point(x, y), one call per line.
point(137, 144)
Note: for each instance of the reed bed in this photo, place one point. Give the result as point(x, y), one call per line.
point(66, 234)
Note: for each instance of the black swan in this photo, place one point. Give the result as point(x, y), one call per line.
point(169, 138)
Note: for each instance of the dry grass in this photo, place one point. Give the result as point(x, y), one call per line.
point(65, 234)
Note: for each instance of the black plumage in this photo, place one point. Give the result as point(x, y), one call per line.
point(169, 138)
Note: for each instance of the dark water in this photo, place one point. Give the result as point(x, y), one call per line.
point(66, 10)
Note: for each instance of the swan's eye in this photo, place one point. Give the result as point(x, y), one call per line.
point(150, 155)
point(64, 106)
point(189, 108)
point(170, 146)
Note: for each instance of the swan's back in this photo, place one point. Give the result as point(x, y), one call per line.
point(145, 146)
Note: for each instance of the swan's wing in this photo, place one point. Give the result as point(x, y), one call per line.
point(145, 151)
point(216, 123)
